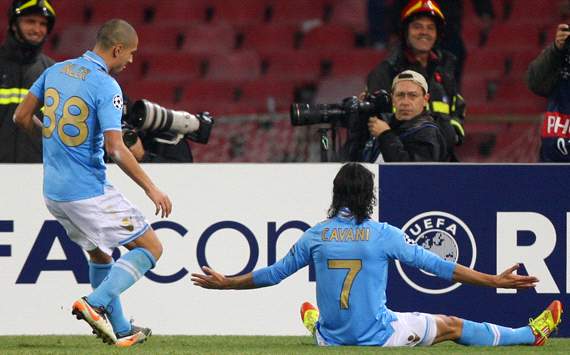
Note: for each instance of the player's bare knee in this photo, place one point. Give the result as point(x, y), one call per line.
point(455, 325)
point(449, 327)
point(157, 252)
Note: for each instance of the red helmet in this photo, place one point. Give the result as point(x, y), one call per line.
point(422, 7)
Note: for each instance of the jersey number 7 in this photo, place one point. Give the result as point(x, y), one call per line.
point(353, 267)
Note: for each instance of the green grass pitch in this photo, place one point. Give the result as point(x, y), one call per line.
point(241, 345)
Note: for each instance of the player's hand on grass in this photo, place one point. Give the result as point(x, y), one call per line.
point(161, 202)
point(508, 279)
point(210, 279)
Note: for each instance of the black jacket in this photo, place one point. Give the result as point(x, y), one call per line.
point(549, 76)
point(440, 76)
point(546, 71)
point(417, 140)
point(19, 68)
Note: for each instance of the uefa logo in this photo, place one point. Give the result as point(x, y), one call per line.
point(445, 235)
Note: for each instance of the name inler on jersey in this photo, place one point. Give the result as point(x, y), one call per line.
point(74, 72)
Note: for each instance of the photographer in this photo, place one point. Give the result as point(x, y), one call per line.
point(155, 134)
point(411, 134)
point(422, 30)
point(549, 76)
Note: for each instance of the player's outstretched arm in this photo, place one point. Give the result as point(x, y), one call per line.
point(506, 279)
point(24, 115)
point(214, 280)
point(121, 155)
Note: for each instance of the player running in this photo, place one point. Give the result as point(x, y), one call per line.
point(82, 114)
point(351, 254)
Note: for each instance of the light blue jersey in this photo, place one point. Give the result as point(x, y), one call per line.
point(351, 265)
point(81, 102)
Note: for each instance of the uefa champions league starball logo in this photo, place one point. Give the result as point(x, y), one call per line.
point(118, 102)
point(445, 235)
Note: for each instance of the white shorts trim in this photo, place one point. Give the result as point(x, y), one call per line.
point(412, 329)
point(103, 222)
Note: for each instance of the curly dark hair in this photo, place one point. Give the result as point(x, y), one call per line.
point(353, 188)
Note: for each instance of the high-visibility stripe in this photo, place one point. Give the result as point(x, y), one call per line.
point(458, 127)
point(12, 95)
point(35, 3)
point(9, 91)
point(440, 106)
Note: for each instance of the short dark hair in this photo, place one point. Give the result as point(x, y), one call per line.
point(353, 188)
point(115, 31)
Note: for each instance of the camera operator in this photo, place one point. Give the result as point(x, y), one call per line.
point(144, 146)
point(155, 134)
point(411, 133)
point(549, 76)
point(422, 29)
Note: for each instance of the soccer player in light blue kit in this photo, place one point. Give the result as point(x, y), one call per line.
point(351, 254)
point(82, 116)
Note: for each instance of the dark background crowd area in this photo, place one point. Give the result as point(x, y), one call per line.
point(246, 61)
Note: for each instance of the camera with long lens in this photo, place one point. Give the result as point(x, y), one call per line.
point(168, 126)
point(344, 113)
point(352, 113)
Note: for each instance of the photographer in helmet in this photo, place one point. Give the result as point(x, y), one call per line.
point(549, 76)
point(21, 63)
point(422, 24)
point(410, 134)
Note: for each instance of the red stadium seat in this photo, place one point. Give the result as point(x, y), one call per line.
point(76, 39)
point(521, 61)
point(333, 90)
point(270, 37)
point(69, 12)
point(162, 93)
point(242, 65)
point(291, 65)
point(159, 38)
point(330, 37)
point(269, 96)
point(296, 11)
point(487, 63)
point(211, 38)
point(181, 12)
point(173, 67)
point(240, 13)
point(514, 37)
point(212, 96)
point(516, 98)
point(131, 11)
point(351, 13)
point(533, 12)
point(358, 62)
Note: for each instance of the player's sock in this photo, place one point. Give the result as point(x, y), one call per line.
point(97, 273)
point(123, 274)
point(487, 334)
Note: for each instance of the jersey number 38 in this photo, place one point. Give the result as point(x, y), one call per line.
point(73, 122)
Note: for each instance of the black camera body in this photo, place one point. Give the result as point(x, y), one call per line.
point(351, 109)
point(166, 125)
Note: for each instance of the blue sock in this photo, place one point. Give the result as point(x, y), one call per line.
point(97, 273)
point(123, 274)
point(487, 334)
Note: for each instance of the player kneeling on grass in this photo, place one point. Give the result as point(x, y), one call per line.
point(353, 306)
point(83, 106)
